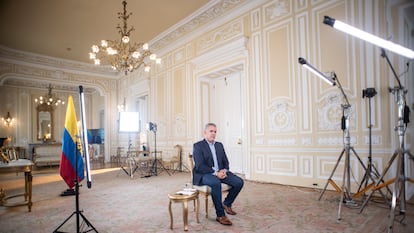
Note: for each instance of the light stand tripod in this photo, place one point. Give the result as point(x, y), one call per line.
point(130, 161)
point(153, 127)
point(371, 169)
point(345, 190)
point(77, 212)
point(398, 191)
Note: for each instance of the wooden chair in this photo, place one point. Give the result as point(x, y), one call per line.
point(204, 190)
point(172, 162)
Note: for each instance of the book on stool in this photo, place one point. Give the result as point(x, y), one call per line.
point(186, 191)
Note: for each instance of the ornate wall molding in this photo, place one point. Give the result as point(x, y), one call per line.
point(179, 126)
point(208, 15)
point(281, 117)
point(221, 55)
point(220, 36)
point(330, 112)
point(276, 10)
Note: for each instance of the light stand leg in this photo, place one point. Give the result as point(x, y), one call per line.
point(397, 192)
point(330, 181)
point(378, 185)
point(343, 193)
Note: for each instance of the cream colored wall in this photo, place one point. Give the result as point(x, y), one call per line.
point(292, 120)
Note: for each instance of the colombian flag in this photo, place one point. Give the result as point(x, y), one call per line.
point(69, 150)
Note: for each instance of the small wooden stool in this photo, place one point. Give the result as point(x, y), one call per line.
point(174, 197)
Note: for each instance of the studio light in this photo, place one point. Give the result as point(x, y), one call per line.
point(123, 55)
point(312, 69)
point(152, 127)
point(368, 37)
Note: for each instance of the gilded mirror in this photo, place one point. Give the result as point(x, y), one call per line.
point(44, 122)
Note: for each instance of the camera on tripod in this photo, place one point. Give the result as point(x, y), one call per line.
point(369, 92)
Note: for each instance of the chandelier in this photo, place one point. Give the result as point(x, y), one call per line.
point(123, 55)
point(49, 99)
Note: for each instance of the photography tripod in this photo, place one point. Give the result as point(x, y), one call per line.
point(156, 160)
point(371, 169)
point(398, 192)
point(345, 189)
point(77, 213)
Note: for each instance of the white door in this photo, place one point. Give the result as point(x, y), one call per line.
point(226, 113)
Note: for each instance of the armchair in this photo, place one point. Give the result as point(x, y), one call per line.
point(204, 190)
point(174, 162)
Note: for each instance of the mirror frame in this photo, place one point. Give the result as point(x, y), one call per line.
point(50, 110)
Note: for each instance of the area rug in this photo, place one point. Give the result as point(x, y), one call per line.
point(119, 203)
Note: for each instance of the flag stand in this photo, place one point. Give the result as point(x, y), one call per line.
point(77, 212)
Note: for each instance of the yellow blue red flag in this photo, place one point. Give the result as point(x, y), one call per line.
point(69, 151)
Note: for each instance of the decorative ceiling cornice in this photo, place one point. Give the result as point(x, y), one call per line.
point(35, 84)
point(198, 19)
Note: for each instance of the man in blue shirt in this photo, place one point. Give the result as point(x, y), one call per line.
point(211, 167)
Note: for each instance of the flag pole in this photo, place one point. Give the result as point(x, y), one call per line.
point(77, 212)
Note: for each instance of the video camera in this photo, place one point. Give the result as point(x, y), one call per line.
point(369, 92)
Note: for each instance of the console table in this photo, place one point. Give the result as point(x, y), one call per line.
point(33, 145)
point(20, 165)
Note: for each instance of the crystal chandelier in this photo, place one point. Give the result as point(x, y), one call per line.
point(123, 55)
point(49, 99)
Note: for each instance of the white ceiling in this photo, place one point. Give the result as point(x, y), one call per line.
point(68, 28)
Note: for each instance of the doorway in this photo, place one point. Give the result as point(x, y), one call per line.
point(226, 113)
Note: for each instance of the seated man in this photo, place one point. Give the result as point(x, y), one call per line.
point(211, 167)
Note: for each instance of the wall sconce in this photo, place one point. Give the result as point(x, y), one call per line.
point(121, 107)
point(8, 120)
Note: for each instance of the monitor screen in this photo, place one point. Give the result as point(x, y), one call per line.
point(129, 122)
point(96, 136)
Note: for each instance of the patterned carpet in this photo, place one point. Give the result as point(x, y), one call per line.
point(117, 203)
